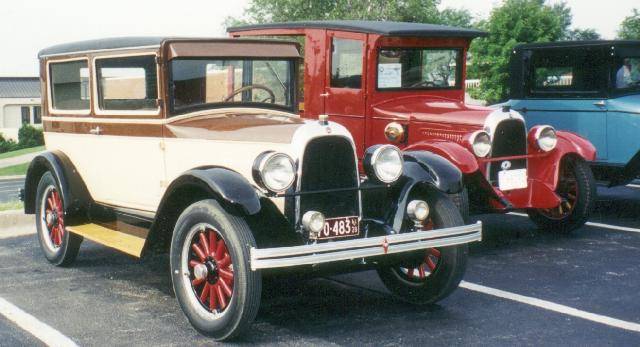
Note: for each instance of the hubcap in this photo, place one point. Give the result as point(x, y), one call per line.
point(210, 270)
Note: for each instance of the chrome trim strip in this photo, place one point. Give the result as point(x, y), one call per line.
point(362, 248)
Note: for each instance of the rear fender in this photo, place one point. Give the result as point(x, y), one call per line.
point(75, 196)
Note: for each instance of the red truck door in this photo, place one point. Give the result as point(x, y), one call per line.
point(344, 97)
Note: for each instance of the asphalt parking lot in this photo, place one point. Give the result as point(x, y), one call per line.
point(522, 287)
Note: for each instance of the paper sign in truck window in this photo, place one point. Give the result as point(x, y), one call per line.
point(390, 75)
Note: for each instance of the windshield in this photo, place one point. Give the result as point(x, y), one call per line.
point(627, 72)
point(418, 68)
point(202, 83)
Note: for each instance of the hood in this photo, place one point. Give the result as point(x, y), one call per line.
point(432, 109)
point(239, 124)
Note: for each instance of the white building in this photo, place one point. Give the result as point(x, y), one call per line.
point(19, 104)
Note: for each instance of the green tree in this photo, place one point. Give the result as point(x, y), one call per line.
point(630, 27)
point(582, 34)
point(515, 22)
point(422, 11)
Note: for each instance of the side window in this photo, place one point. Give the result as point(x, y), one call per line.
point(578, 73)
point(128, 83)
point(26, 114)
point(346, 63)
point(69, 85)
point(37, 115)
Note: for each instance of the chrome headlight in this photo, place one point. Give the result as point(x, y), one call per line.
point(546, 138)
point(274, 171)
point(480, 142)
point(384, 162)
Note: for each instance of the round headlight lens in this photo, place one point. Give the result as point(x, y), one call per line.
point(546, 138)
point(387, 163)
point(275, 171)
point(481, 143)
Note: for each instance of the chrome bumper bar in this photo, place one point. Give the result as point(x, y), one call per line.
point(269, 258)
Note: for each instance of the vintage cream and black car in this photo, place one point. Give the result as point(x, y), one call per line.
point(193, 147)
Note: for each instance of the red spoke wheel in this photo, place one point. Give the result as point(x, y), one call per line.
point(59, 246)
point(427, 266)
point(577, 192)
point(211, 270)
point(433, 276)
point(212, 276)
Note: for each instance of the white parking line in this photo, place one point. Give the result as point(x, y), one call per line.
point(592, 224)
point(551, 306)
point(33, 326)
point(633, 185)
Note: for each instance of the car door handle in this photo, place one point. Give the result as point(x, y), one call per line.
point(95, 131)
point(600, 103)
point(324, 95)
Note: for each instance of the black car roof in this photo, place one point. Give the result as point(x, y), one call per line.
point(574, 44)
point(375, 27)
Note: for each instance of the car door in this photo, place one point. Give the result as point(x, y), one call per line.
point(344, 97)
point(125, 137)
point(566, 88)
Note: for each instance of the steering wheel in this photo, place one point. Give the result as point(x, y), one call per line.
point(427, 84)
point(271, 98)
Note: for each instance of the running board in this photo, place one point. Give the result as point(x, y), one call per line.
point(131, 243)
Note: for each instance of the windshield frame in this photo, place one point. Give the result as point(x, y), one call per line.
point(459, 71)
point(292, 93)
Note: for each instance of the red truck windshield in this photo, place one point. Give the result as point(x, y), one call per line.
point(418, 68)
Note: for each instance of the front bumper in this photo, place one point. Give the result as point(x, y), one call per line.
point(279, 257)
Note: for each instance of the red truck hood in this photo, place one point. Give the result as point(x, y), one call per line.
point(432, 109)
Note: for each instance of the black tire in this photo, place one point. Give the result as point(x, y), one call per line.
point(461, 200)
point(449, 269)
point(581, 207)
point(60, 251)
point(227, 322)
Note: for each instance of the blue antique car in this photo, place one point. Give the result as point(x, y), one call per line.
point(591, 88)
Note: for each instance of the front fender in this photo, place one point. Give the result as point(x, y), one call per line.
point(226, 184)
point(546, 168)
point(422, 169)
point(455, 153)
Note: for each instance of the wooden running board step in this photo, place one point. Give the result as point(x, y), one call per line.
point(122, 241)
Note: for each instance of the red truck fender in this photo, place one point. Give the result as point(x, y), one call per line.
point(452, 151)
point(546, 168)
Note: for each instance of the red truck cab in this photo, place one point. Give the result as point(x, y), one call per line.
point(403, 83)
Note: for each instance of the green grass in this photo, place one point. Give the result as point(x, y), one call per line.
point(11, 205)
point(21, 152)
point(20, 169)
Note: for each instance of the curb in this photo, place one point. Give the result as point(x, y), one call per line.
point(10, 178)
point(14, 218)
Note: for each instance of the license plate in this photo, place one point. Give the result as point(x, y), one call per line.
point(512, 179)
point(340, 227)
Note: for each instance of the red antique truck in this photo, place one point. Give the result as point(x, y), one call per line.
point(403, 83)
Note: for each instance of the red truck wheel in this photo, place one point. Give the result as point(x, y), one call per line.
point(577, 188)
